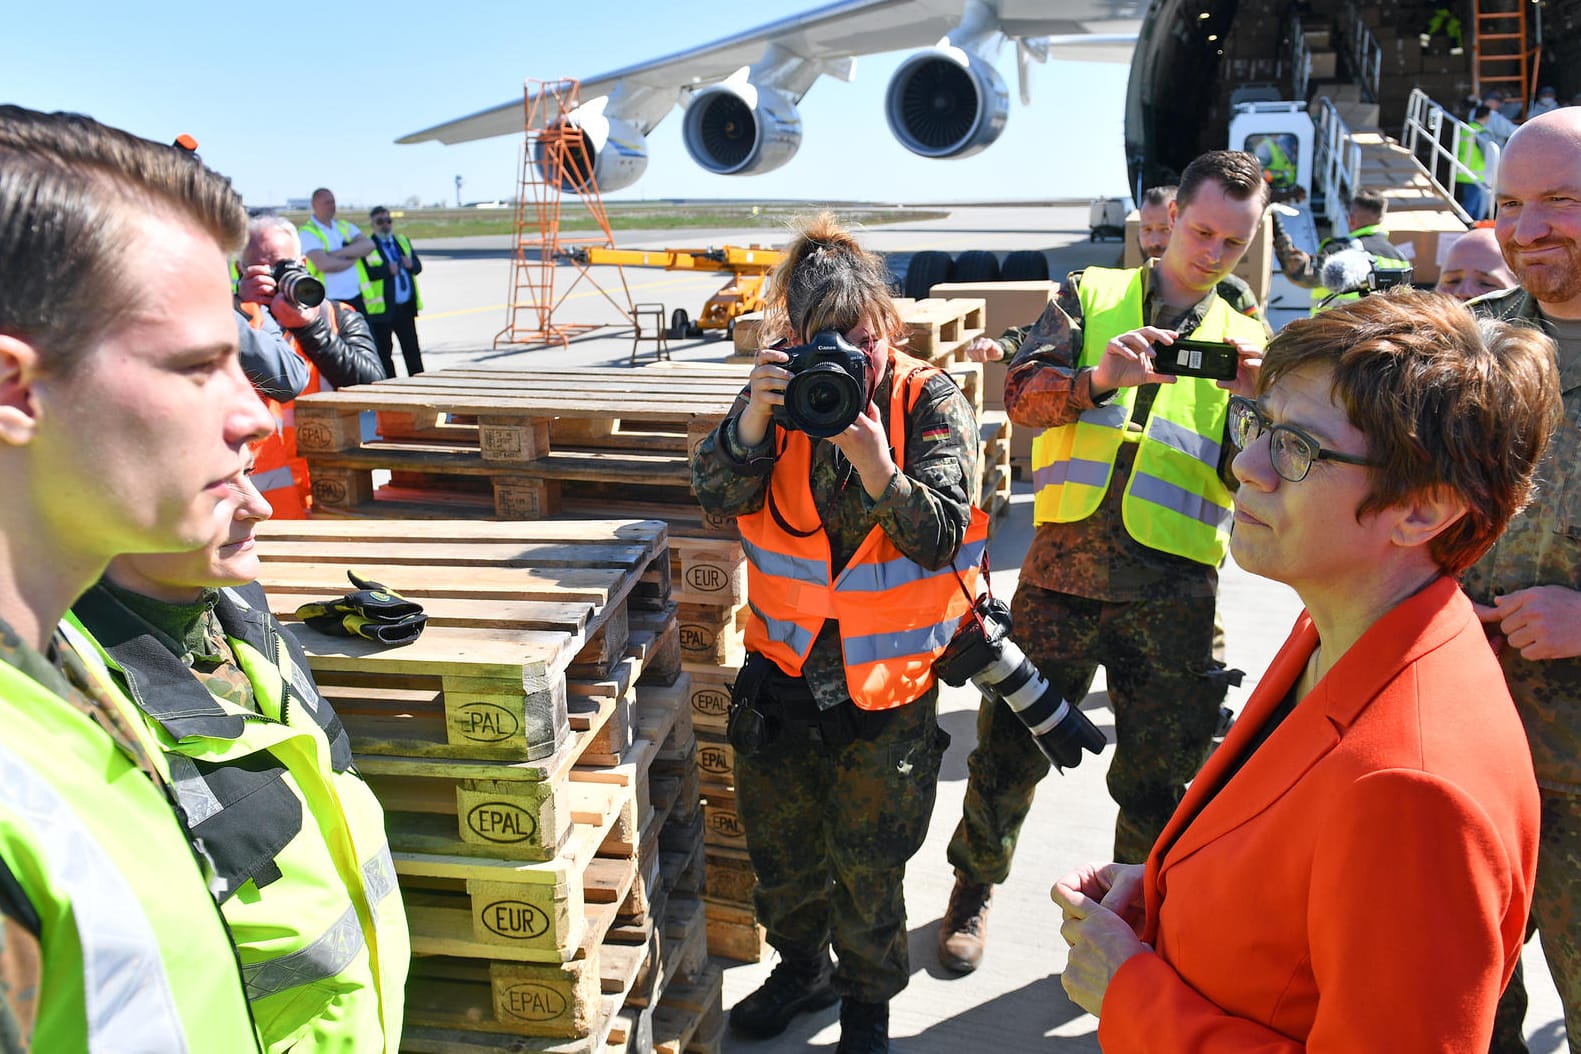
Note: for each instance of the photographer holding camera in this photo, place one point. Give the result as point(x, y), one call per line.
point(331, 337)
point(849, 467)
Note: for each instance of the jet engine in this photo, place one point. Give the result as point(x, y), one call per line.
point(946, 102)
point(740, 129)
point(589, 144)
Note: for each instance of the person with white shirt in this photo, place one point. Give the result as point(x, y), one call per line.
point(335, 250)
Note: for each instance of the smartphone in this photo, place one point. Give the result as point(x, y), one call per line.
point(1197, 358)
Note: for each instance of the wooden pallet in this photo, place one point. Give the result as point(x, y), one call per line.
point(713, 635)
point(521, 443)
point(995, 468)
point(937, 328)
point(734, 932)
point(512, 610)
point(709, 694)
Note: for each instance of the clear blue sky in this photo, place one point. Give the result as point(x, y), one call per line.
point(284, 97)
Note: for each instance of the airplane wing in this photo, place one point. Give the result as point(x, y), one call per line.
point(829, 37)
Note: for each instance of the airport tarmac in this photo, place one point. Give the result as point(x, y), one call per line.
point(1014, 1001)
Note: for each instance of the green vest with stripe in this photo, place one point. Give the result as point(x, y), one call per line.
point(1470, 155)
point(373, 290)
point(303, 870)
point(1174, 501)
point(369, 289)
point(134, 955)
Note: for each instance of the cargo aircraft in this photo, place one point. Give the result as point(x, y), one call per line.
point(740, 93)
point(1192, 63)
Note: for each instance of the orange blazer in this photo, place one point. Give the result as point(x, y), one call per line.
point(1362, 884)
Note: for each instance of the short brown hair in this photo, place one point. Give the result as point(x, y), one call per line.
point(1153, 197)
point(828, 281)
point(1238, 172)
point(68, 186)
point(1371, 202)
point(1443, 399)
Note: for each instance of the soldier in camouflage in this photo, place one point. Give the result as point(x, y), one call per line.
point(838, 798)
point(1528, 586)
point(1089, 593)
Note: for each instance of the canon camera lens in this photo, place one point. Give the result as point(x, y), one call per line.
point(981, 651)
point(295, 284)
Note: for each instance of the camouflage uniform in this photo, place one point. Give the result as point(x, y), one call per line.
point(840, 799)
point(1090, 595)
point(64, 674)
point(1543, 547)
point(1233, 290)
point(194, 634)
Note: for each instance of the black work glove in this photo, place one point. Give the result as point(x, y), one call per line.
point(372, 612)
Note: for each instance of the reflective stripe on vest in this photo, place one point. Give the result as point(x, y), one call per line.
point(273, 479)
point(333, 951)
point(1174, 501)
point(128, 999)
point(780, 631)
point(894, 616)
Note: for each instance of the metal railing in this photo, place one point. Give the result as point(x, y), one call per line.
point(1336, 165)
point(1433, 131)
point(1300, 59)
point(1365, 51)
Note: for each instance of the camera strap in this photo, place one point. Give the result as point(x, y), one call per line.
point(971, 601)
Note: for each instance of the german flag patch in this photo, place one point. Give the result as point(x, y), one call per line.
point(933, 435)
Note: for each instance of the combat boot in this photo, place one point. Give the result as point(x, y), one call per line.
point(795, 987)
point(864, 1028)
point(964, 929)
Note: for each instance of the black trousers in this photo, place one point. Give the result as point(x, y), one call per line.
point(399, 320)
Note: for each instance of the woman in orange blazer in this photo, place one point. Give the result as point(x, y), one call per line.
point(1352, 869)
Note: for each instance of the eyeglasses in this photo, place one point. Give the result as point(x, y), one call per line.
point(383, 221)
point(1291, 450)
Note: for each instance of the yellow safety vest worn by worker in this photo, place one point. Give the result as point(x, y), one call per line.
point(1470, 155)
point(1175, 501)
point(304, 875)
point(1277, 164)
point(373, 291)
point(366, 286)
point(895, 616)
point(134, 953)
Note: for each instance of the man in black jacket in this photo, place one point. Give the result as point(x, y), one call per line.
point(393, 312)
point(334, 337)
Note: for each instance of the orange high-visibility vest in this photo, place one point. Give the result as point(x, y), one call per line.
point(278, 473)
point(895, 616)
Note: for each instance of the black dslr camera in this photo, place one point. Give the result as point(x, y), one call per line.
point(295, 284)
point(983, 653)
point(831, 384)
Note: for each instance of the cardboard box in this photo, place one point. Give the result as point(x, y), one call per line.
point(1424, 237)
point(1324, 64)
point(1005, 304)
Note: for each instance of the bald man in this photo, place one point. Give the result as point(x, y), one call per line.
point(1474, 266)
point(1528, 586)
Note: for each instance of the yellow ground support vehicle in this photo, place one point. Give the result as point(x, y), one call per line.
point(748, 267)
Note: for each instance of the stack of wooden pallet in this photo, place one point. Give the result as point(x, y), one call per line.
point(516, 444)
point(516, 747)
point(938, 329)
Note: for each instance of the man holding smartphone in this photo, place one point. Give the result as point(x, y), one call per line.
point(1133, 516)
